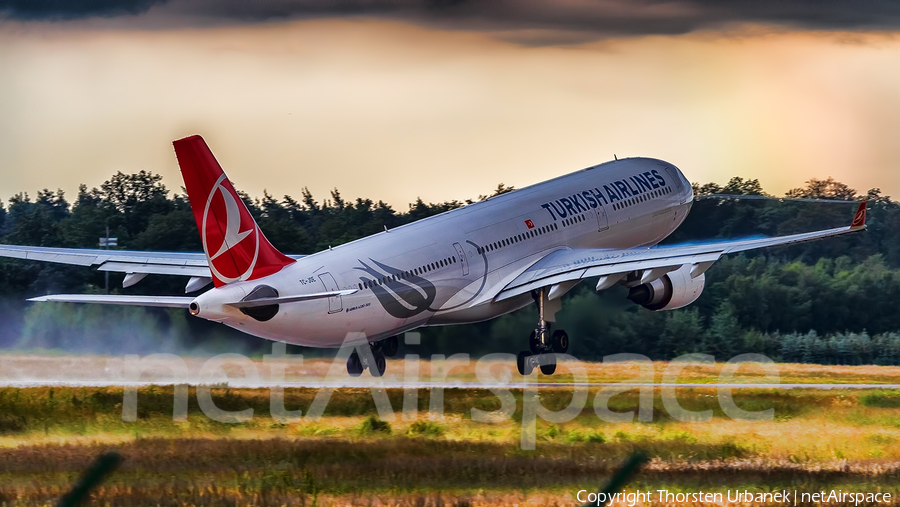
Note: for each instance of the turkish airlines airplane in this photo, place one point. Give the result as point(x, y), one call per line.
point(471, 264)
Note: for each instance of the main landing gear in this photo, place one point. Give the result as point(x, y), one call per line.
point(542, 344)
point(374, 361)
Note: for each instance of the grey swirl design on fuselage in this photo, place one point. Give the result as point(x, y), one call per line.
point(483, 282)
point(419, 297)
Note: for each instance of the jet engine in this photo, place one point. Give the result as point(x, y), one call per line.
point(673, 290)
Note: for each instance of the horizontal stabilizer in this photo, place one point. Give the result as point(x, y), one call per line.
point(104, 299)
point(291, 299)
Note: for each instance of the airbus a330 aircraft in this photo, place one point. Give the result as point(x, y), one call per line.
point(471, 264)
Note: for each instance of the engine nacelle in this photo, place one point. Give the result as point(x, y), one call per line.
point(673, 290)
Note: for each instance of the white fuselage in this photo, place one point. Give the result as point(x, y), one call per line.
point(446, 269)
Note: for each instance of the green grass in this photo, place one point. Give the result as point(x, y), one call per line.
point(881, 399)
point(49, 435)
point(372, 425)
point(425, 428)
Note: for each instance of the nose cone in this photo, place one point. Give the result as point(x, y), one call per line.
point(684, 189)
point(689, 189)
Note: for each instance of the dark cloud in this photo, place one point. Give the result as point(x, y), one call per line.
point(64, 9)
point(558, 19)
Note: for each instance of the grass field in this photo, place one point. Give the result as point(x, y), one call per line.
point(841, 439)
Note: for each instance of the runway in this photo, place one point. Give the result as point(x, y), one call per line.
point(370, 384)
point(29, 370)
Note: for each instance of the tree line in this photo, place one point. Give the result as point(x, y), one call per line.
point(807, 302)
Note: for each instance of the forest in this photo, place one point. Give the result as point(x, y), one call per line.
point(831, 301)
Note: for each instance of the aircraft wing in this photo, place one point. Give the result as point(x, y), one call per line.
point(562, 267)
point(136, 264)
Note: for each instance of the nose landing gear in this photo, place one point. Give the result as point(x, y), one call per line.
point(542, 344)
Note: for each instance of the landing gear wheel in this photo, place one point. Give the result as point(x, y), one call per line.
point(560, 341)
point(523, 364)
point(354, 365)
point(390, 346)
point(548, 364)
point(379, 365)
point(534, 343)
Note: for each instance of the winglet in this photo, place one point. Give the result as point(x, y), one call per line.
point(859, 219)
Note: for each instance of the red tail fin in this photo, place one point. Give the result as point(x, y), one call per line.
point(859, 218)
point(235, 247)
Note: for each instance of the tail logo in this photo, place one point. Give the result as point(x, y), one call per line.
point(227, 232)
point(859, 218)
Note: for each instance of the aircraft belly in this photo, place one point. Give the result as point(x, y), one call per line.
point(481, 312)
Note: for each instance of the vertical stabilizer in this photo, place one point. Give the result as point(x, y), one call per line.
point(235, 246)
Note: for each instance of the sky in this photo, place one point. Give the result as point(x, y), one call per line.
point(443, 100)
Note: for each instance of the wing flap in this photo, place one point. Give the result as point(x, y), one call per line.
point(155, 269)
point(59, 255)
point(121, 261)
